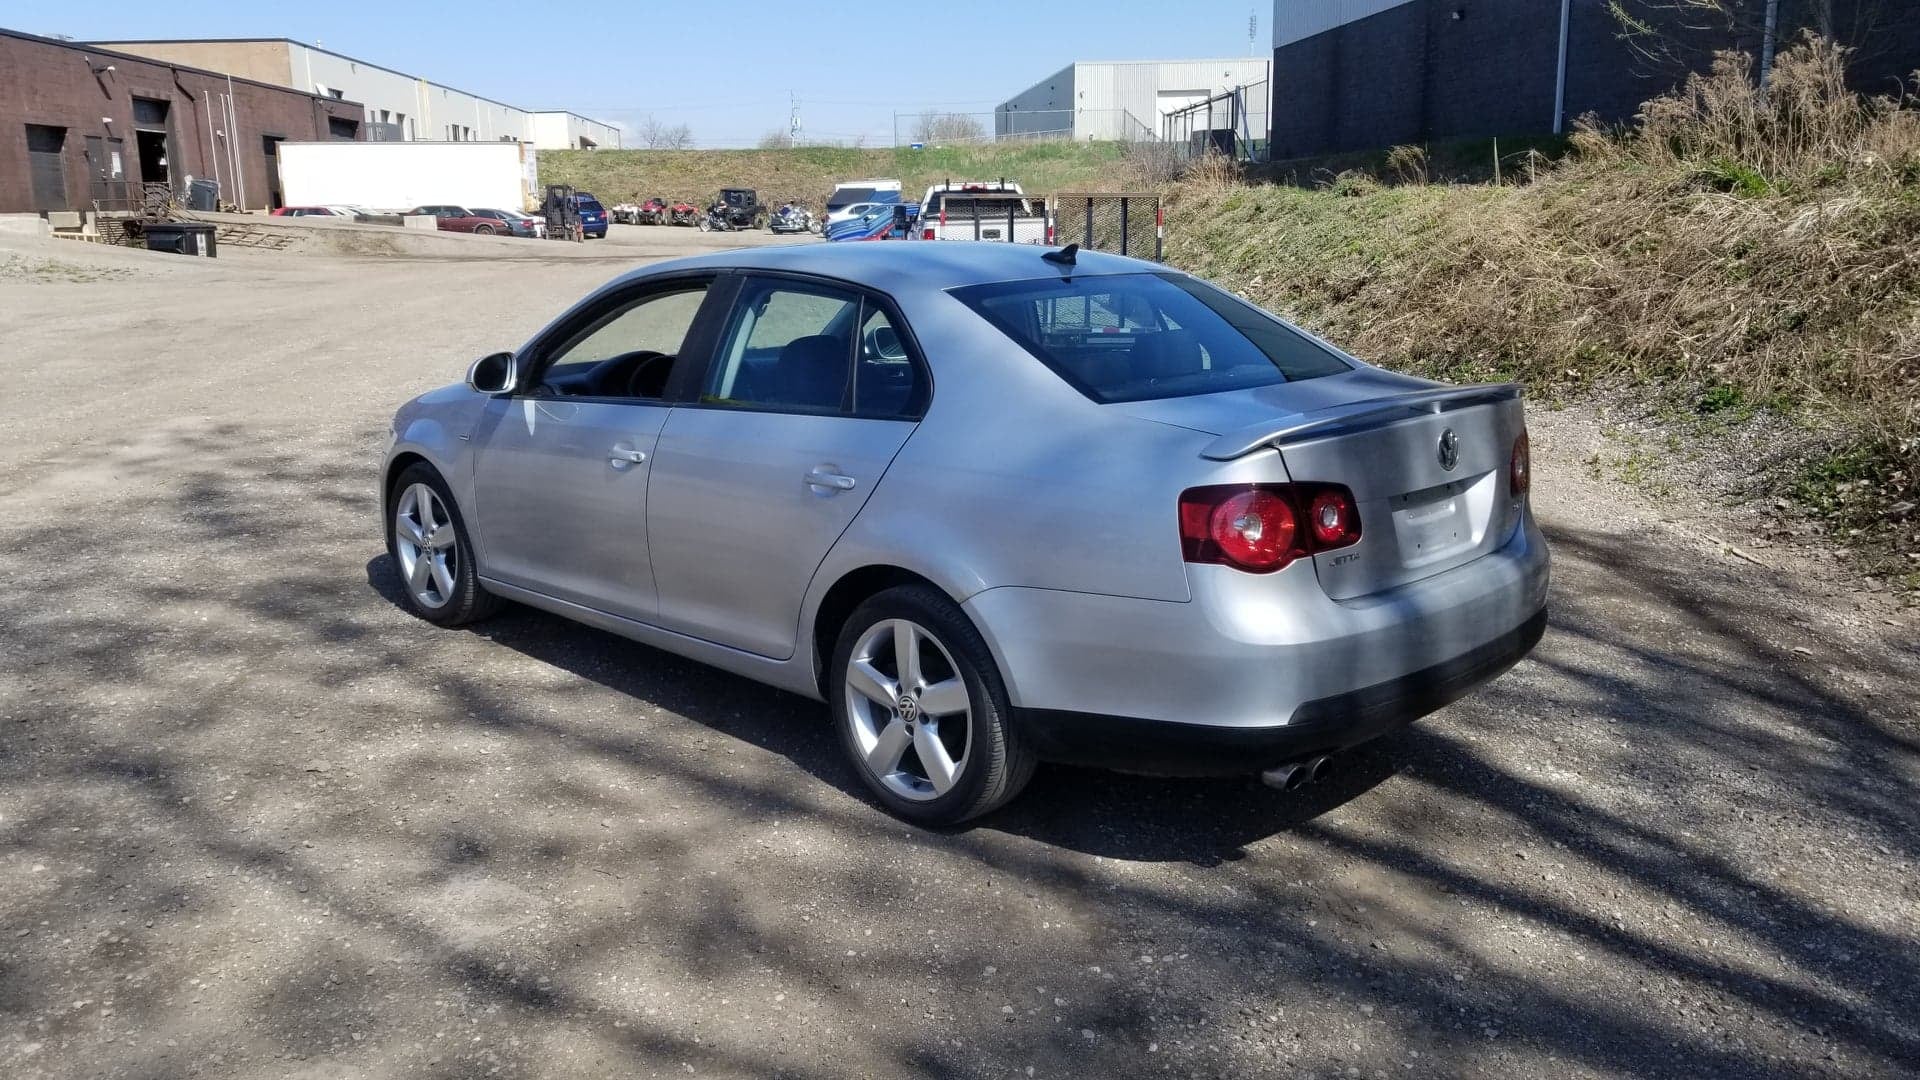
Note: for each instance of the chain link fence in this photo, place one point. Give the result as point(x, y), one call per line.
point(1019, 125)
point(1125, 224)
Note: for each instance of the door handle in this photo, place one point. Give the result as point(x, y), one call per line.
point(623, 456)
point(832, 481)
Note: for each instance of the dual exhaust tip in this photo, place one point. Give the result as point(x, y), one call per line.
point(1295, 775)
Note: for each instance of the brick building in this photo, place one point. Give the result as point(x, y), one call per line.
point(84, 128)
point(1364, 74)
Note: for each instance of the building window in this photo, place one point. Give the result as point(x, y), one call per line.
point(342, 128)
point(149, 113)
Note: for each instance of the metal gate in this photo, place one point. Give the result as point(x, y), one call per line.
point(1125, 224)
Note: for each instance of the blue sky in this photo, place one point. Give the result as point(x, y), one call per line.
point(724, 69)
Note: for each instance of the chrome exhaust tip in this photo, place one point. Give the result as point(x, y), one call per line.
point(1295, 775)
point(1288, 777)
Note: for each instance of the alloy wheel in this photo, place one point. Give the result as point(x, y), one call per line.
point(426, 546)
point(909, 710)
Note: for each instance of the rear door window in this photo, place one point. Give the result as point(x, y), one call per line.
point(1136, 337)
point(788, 347)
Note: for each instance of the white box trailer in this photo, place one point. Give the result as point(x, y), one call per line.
point(395, 176)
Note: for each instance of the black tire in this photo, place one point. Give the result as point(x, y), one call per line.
point(998, 763)
point(468, 602)
point(483, 230)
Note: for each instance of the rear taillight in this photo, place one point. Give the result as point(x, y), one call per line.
point(1520, 467)
point(926, 234)
point(1261, 528)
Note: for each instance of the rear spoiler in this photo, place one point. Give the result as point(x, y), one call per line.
point(1360, 414)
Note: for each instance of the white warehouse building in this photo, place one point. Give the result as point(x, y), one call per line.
point(399, 107)
point(1127, 99)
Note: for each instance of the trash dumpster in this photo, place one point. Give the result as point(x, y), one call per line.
point(203, 194)
point(182, 238)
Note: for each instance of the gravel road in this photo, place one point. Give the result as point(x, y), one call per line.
point(257, 821)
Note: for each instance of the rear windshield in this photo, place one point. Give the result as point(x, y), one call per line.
point(847, 196)
point(586, 202)
point(1136, 337)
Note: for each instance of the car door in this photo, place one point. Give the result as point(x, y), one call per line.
point(755, 480)
point(562, 467)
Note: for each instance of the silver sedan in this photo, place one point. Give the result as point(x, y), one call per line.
point(995, 505)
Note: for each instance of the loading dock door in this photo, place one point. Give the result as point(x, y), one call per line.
point(153, 140)
point(48, 172)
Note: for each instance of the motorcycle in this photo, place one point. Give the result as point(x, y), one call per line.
point(683, 213)
point(652, 212)
point(792, 219)
point(716, 219)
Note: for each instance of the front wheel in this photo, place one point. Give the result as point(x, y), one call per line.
point(428, 540)
point(704, 225)
point(922, 711)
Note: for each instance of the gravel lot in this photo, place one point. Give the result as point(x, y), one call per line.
point(257, 821)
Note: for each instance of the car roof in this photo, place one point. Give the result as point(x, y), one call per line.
point(894, 266)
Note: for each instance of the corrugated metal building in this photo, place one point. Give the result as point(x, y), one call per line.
point(1364, 74)
point(399, 106)
point(1124, 99)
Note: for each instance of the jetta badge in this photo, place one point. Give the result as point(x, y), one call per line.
point(1449, 449)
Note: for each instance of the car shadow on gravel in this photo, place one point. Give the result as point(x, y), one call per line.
point(1668, 844)
point(1152, 819)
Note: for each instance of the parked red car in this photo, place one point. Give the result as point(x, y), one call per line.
point(461, 219)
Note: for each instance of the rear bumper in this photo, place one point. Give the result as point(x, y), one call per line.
point(1254, 668)
point(1327, 725)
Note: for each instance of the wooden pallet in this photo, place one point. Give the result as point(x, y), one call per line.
point(260, 239)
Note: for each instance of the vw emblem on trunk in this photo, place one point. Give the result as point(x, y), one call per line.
point(1449, 449)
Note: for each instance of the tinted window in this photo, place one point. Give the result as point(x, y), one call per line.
point(788, 346)
point(587, 204)
point(886, 381)
point(1134, 337)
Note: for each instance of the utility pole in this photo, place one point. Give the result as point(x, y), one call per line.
point(1253, 29)
point(1560, 73)
point(793, 120)
point(1766, 43)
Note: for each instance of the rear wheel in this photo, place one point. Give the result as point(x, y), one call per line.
point(428, 540)
point(922, 711)
point(484, 230)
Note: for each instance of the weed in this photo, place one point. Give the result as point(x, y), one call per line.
point(1719, 399)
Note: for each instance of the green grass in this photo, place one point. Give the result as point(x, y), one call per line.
point(806, 174)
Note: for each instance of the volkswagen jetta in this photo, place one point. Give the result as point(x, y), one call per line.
point(995, 505)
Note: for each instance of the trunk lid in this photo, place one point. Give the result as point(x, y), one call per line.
point(1427, 464)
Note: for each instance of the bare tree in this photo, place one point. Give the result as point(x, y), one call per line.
point(775, 140)
point(656, 135)
point(1686, 32)
point(935, 126)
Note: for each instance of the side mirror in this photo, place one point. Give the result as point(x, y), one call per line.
point(492, 374)
point(884, 342)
